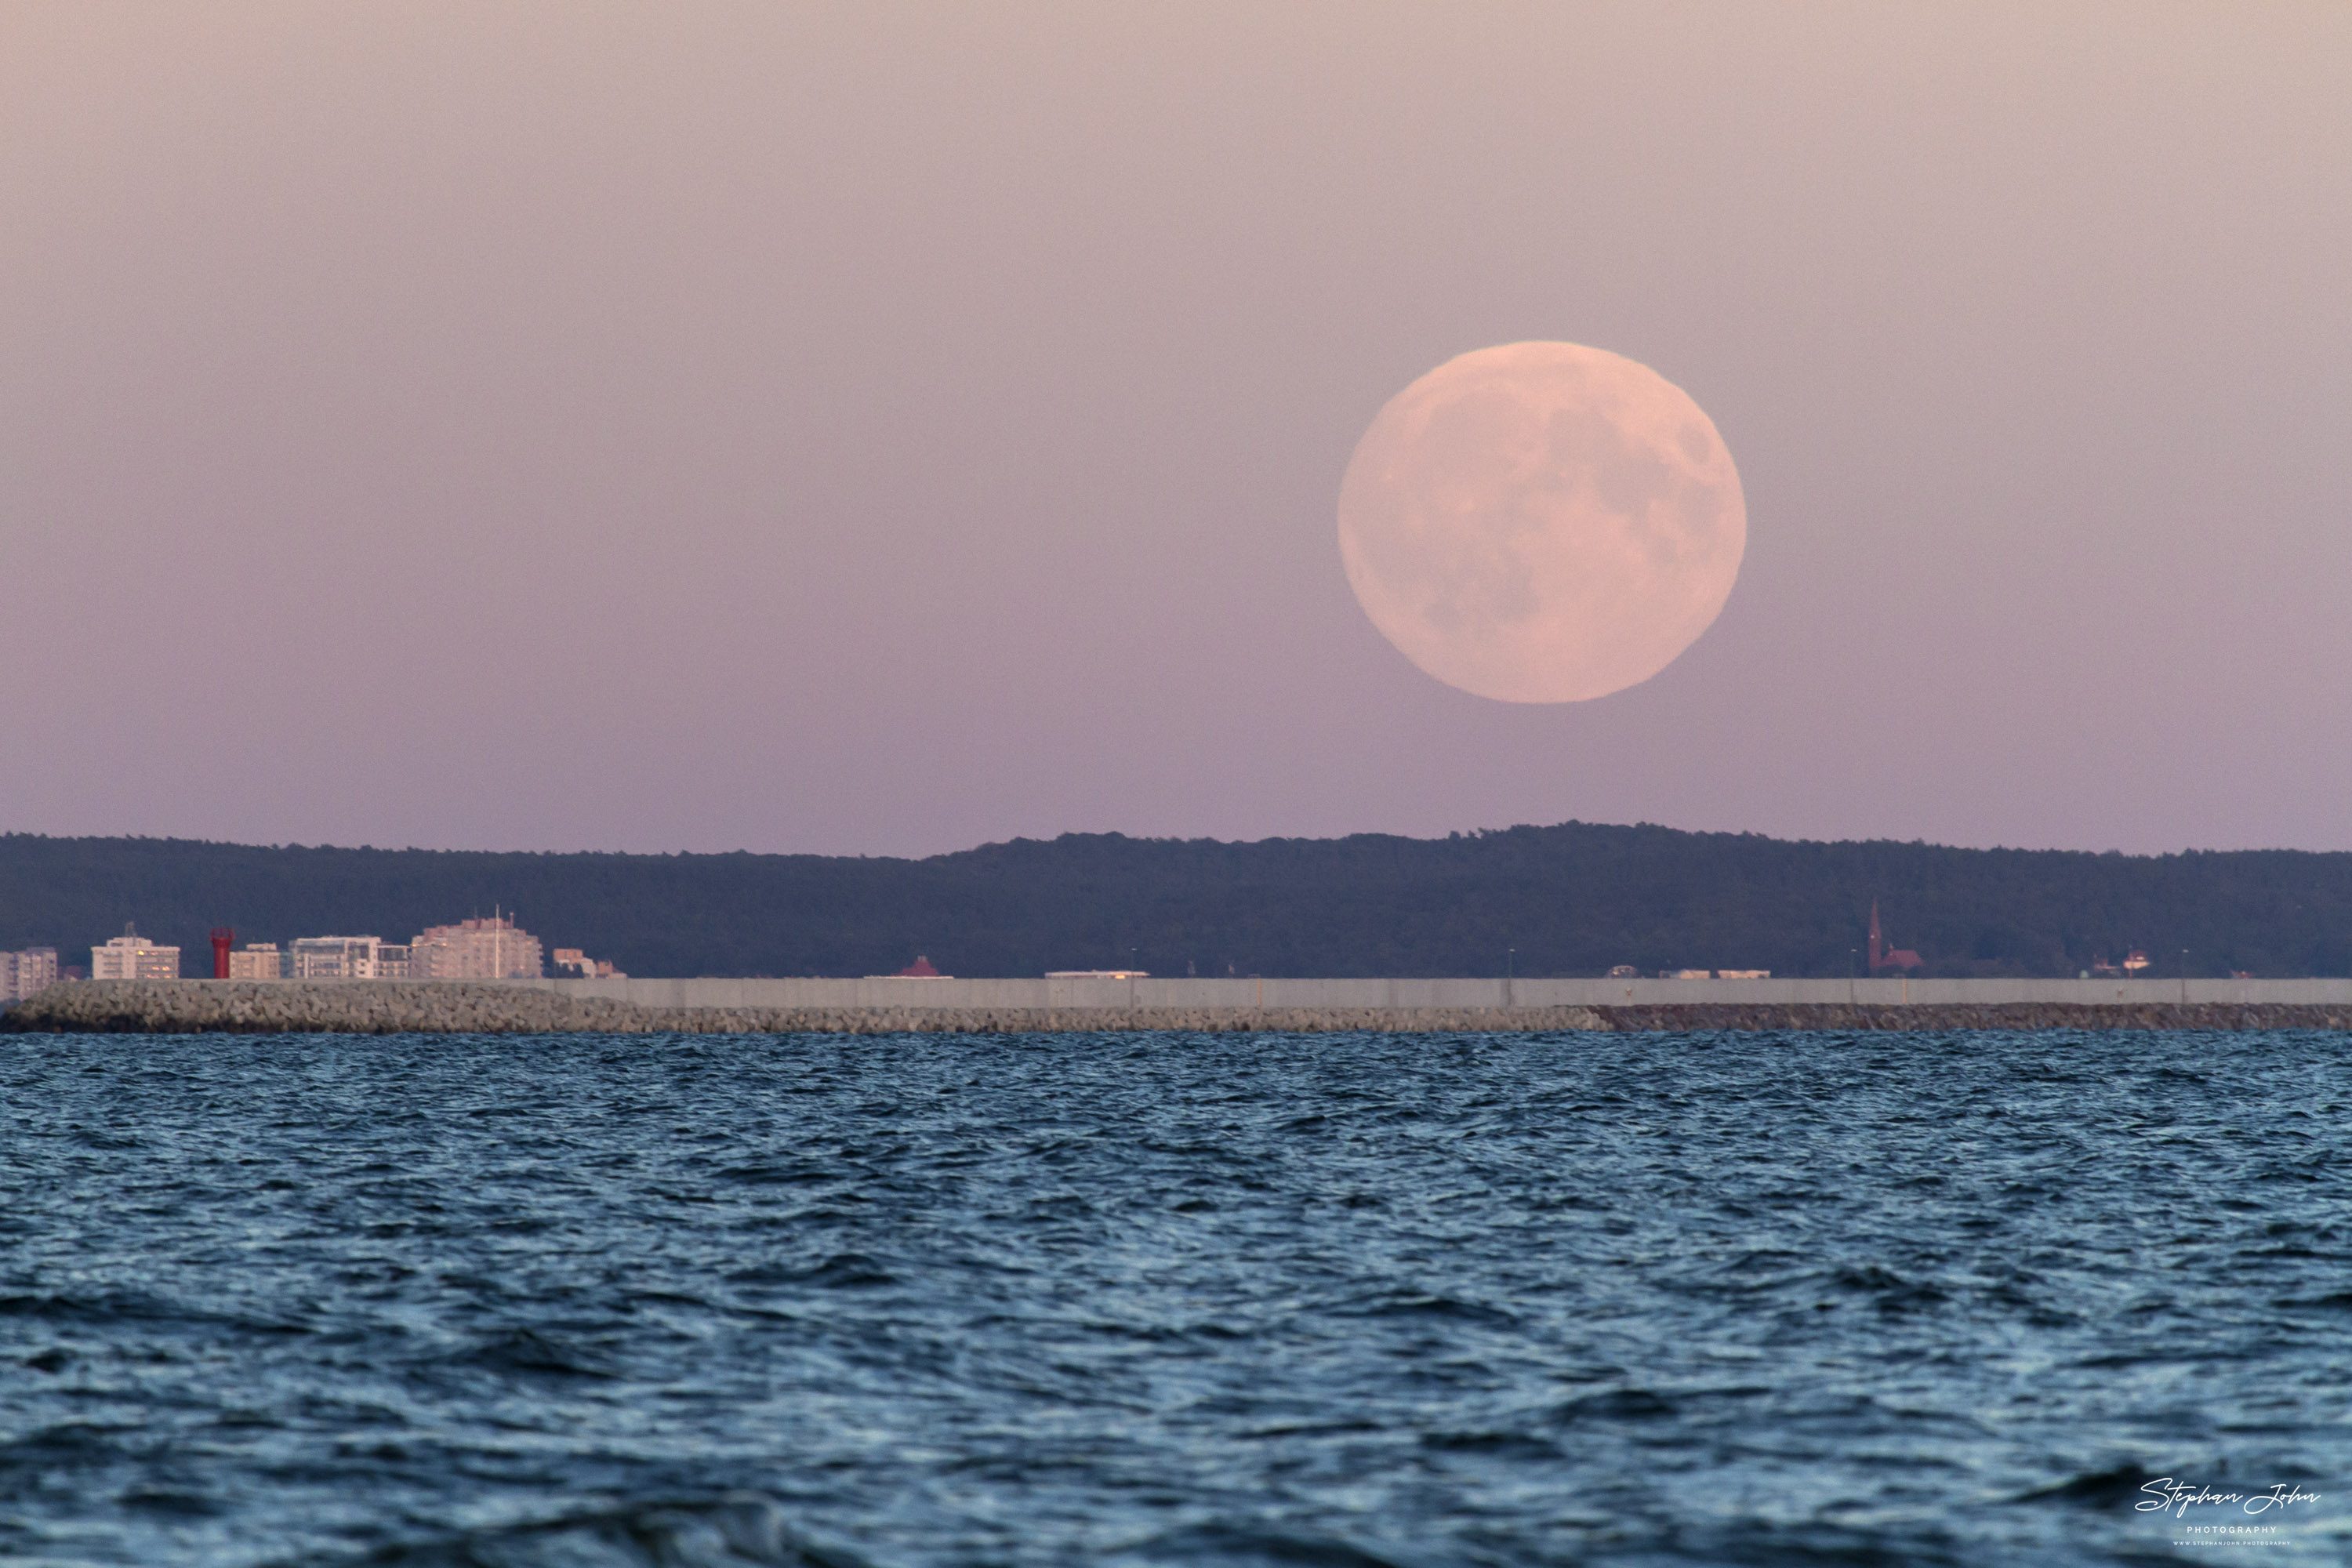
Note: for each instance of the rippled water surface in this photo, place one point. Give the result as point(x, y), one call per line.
point(1336, 1299)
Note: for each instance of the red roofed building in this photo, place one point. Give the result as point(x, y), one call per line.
point(1881, 955)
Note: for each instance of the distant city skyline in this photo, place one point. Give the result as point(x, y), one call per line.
point(481, 948)
point(893, 429)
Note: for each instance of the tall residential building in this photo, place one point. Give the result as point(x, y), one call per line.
point(25, 973)
point(259, 961)
point(37, 970)
point(492, 948)
point(343, 958)
point(132, 957)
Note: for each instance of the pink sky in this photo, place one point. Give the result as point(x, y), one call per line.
point(859, 429)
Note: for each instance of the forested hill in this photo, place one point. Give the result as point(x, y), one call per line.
point(1570, 899)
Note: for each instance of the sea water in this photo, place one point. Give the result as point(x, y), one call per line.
point(1975, 1298)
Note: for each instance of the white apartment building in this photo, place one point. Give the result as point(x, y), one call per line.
point(132, 957)
point(341, 958)
point(27, 974)
point(491, 949)
point(259, 961)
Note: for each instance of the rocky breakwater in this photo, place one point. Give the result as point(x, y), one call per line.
point(325, 1006)
point(2035, 1016)
point(484, 1007)
point(463, 1007)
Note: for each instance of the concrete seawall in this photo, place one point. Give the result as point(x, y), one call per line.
point(1053, 994)
point(730, 1007)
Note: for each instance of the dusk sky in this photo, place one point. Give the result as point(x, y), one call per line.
point(870, 430)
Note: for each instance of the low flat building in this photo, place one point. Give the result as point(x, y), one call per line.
point(258, 960)
point(345, 958)
point(132, 957)
point(922, 969)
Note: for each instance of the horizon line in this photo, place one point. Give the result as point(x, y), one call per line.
point(1450, 836)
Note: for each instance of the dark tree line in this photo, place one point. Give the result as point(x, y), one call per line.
point(1571, 900)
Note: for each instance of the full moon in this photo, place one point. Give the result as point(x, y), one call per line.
point(1542, 522)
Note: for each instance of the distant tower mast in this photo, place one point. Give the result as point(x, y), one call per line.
point(222, 938)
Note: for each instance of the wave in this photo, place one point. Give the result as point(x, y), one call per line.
point(742, 1530)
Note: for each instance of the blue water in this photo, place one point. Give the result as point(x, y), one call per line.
point(1330, 1299)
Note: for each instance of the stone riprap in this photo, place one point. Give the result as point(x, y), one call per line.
point(461, 1007)
point(2023, 1016)
point(401, 1007)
